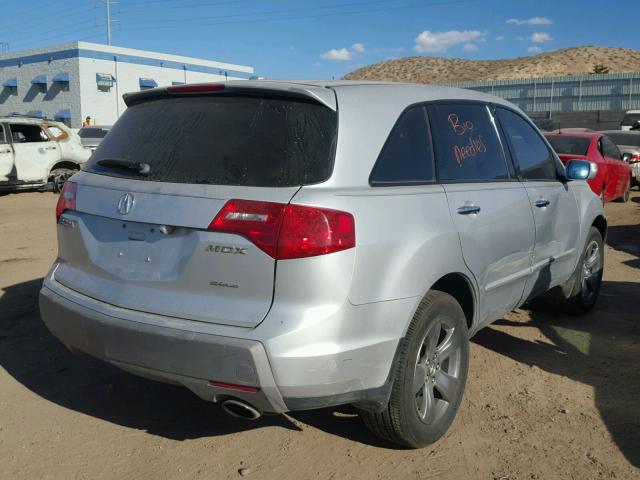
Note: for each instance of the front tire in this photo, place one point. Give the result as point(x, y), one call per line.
point(587, 277)
point(430, 376)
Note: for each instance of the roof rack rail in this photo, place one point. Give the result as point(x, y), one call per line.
point(26, 115)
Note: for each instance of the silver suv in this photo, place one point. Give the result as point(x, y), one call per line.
point(279, 246)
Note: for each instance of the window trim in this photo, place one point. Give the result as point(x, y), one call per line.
point(558, 164)
point(385, 146)
point(488, 107)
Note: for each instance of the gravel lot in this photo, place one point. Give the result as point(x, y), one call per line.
point(548, 396)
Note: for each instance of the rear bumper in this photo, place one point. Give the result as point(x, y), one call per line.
point(299, 359)
point(164, 353)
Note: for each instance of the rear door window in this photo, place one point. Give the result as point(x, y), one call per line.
point(223, 140)
point(406, 157)
point(466, 144)
point(534, 158)
point(3, 139)
point(610, 149)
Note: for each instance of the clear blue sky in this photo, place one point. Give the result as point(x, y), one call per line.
point(325, 38)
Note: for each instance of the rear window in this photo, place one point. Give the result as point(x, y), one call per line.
point(250, 141)
point(631, 139)
point(92, 132)
point(565, 145)
point(629, 119)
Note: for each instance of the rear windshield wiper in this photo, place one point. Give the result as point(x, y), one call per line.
point(142, 168)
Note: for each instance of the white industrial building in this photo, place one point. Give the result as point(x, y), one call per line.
point(72, 81)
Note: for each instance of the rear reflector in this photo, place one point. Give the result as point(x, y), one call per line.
point(233, 386)
point(196, 88)
point(67, 199)
point(287, 231)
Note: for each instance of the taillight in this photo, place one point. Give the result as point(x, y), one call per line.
point(287, 231)
point(257, 221)
point(67, 198)
point(196, 88)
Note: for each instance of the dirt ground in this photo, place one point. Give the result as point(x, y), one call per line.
point(548, 396)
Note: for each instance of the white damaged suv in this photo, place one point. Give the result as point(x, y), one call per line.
point(37, 153)
point(278, 246)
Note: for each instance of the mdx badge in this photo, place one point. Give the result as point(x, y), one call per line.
point(226, 249)
point(126, 203)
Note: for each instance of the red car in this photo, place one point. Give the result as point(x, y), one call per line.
point(614, 174)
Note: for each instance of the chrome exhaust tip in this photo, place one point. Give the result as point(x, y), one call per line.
point(239, 409)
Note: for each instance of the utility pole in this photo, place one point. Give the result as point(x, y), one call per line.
point(107, 18)
point(108, 3)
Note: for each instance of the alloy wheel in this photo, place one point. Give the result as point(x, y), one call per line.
point(591, 270)
point(436, 377)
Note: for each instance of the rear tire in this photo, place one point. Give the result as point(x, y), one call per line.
point(587, 277)
point(59, 176)
point(625, 196)
point(430, 376)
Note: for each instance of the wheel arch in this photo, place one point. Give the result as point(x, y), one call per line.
point(460, 287)
point(70, 164)
point(601, 224)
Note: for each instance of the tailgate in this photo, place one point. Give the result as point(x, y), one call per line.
point(159, 258)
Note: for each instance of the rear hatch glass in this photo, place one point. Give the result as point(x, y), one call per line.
point(629, 119)
point(629, 139)
point(566, 145)
point(223, 140)
point(92, 132)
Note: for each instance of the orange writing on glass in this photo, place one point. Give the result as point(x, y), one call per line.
point(459, 127)
point(470, 150)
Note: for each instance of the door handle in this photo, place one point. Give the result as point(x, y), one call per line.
point(5, 151)
point(49, 148)
point(468, 210)
point(541, 203)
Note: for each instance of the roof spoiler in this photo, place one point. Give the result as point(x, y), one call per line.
point(323, 95)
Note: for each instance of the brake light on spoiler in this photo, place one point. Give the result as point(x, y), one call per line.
point(196, 88)
point(287, 231)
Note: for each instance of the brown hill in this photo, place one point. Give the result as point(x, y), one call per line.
point(438, 70)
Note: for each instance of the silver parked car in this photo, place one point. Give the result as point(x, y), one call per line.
point(93, 135)
point(279, 246)
point(629, 145)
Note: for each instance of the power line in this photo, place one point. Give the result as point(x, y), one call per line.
point(275, 12)
point(65, 15)
point(181, 23)
point(182, 6)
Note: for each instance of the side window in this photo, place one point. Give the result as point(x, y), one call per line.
point(56, 132)
point(28, 133)
point(406, 155)
point(530, 152)
point(466, 144)
point(3, 139)
point(610, 149)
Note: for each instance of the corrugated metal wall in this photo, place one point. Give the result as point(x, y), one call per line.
point(572, 93)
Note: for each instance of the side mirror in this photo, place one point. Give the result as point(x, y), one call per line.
point(580, 170)
point(626, 157)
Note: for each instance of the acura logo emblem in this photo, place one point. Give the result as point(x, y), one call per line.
point(126, 203)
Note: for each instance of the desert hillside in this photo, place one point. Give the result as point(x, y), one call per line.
point(566, 61)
